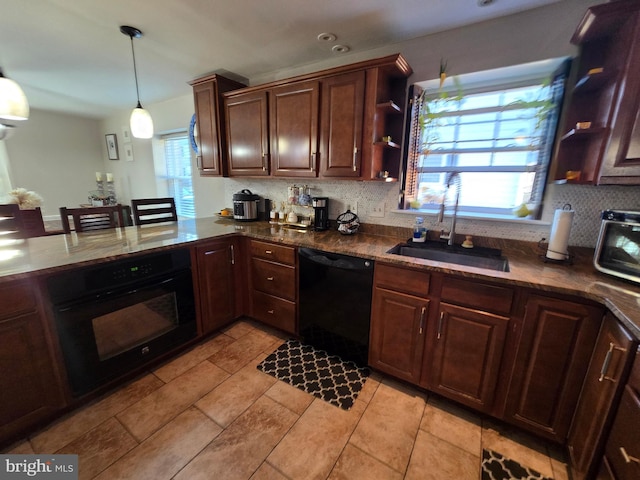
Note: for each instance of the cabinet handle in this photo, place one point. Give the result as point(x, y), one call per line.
point(270, 279)
point(268, 252)
point(199, 161)
point(440, 325)
point(270, 312)
point(233, 256)
point(355, 158)
point(264, 156)
point(607, 360)
point(422, 316)
point(628, 458)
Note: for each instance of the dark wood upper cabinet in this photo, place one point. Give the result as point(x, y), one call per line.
point(553, 355)
point(328, 123)
point(600, 136)
point(247, 126)
point(342, 120)
point(210, 124)
point(293, 113)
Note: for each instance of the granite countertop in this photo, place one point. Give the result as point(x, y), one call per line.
point(40, 255)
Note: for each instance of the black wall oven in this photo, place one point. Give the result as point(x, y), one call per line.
point(114, 317)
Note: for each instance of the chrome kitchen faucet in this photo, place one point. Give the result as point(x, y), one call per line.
point(453, 177)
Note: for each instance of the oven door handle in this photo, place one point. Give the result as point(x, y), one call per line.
point(110, 294)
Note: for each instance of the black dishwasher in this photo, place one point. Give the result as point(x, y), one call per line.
point(335, 303)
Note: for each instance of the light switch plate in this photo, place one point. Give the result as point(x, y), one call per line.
point(378, 210)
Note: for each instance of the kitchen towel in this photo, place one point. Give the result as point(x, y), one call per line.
point(560, 231)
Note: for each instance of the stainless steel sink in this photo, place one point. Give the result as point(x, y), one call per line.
point(488, 258)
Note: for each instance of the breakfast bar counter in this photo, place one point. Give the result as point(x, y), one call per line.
point(51, 254)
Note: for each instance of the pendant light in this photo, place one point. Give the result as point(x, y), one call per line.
point(13, 101)
point(140, 122)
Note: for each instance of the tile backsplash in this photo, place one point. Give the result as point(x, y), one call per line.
point(587, 201)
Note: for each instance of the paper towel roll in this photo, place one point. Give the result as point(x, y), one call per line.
point(560, 230)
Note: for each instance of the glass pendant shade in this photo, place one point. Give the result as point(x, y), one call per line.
point(13, 101)
point(141, 123)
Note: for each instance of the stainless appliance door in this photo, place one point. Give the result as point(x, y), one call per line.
point(618, 249)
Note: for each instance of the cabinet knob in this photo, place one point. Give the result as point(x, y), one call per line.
point(268, 252)
point(270, 279)
point(270, 312)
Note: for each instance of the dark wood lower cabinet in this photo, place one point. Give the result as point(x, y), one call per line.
point(398, 326)
point(552, 358)
point(603, 385)
point(216, 284)
point(30, 388)
point(465, 354)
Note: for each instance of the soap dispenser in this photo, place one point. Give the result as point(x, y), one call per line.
point(419, 230)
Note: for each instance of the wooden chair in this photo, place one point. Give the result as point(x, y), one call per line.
point(11, 225)
point(154, 210)
point(33, 223)
point(86, 219)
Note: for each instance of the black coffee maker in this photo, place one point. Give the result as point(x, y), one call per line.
point(321, 213)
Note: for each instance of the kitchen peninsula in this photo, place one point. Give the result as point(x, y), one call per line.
point(528, 302)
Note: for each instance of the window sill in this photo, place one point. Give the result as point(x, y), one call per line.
point(489, 217)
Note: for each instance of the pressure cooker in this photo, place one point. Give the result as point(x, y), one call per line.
point(245, 206)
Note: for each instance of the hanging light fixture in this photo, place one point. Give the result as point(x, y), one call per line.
point(140, 122)
point(13, 102)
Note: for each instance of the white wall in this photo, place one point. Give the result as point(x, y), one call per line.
point(56, 155)
point(136, 179)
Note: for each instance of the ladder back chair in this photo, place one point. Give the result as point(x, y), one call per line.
point(86, 219)
point(154, 210)
point(11, 226)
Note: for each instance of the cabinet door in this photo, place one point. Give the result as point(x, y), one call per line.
point(341, 125)
point(216, 285)
point(209, 154)
point(293, 111)
point(466, 353)
point(602, 387)
point(397, 333)
point(623, 447)
point(247, 134)
point(552, 359)
point(29, 387)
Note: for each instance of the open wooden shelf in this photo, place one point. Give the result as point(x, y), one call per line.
point(389, 107)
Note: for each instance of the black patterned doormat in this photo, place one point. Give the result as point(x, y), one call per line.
point(325, 376)
point(498, 467)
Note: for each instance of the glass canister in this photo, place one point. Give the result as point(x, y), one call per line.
point(304, 197)
point(293, 193)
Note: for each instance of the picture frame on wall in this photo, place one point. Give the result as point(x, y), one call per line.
point(112, 146)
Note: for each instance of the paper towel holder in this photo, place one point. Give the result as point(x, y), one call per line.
point(542, 254)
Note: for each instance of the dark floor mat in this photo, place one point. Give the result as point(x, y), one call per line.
point(316, 372)
point(497, 467)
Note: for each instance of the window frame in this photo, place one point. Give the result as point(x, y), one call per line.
point(496, 80)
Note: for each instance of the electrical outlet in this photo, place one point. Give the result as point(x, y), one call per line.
point(378, 210)
point(353, 206)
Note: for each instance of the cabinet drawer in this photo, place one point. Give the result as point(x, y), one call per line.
point(469, 293)
point(274, 311)
point(274, 278)
point(16, 298)
point(623, 447)
point(404, 280)
point(273, 252)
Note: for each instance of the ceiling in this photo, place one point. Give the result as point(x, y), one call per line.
point(69, 55)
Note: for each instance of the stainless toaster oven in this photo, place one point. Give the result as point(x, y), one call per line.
point(618, 249)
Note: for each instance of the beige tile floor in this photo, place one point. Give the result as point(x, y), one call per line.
point(210, 414)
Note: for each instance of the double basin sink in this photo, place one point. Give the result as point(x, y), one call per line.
point(479, 257)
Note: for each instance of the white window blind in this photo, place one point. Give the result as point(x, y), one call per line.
point(178, 174)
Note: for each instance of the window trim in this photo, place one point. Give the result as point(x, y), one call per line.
point(481, 82)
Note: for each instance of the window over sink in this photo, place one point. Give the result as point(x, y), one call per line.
point(496, 128)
